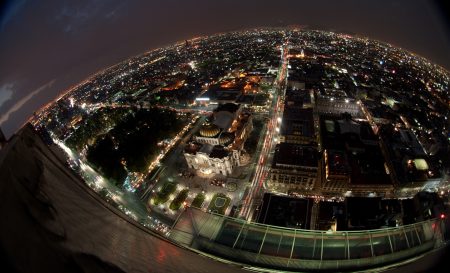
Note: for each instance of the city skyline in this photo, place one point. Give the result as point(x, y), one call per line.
point(36, 69)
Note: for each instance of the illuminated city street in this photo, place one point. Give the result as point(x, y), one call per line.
point(273, 125)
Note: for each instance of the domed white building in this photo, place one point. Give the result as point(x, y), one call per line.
point(209, 158)
point(218, 144)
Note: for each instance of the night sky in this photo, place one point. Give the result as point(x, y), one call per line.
point(48, 46)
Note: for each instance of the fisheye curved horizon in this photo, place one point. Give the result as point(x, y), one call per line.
point(279, 148)
point(290, 27)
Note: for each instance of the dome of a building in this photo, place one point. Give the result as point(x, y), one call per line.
point(209, 130)
point(226, 138)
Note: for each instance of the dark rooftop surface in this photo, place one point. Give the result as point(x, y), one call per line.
point(192, 148)
point(229, 107)
point(337, 162)
point(329, 212)
point(368, 167)
point(298, 122)
point(218, 152)
point(295, 155)
point(335, 131)
point(295, 99)
point(362, 212)
point(286, 211)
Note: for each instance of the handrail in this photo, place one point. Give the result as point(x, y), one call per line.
point(271, 246)
point(315, 231)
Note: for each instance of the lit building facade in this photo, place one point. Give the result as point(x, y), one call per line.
point(209, 158)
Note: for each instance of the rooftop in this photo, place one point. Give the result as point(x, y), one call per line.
point(206, 149)
point(229, 107)
point(192, 148)
point(337, 130)
point(209, 130)
point(218, 151)
point(337, 162)
point(294, 155)
point(299, 122)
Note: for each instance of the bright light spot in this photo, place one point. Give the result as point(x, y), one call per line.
point(192, 64)
point(127, 184)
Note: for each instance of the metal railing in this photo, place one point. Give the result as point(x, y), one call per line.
point(293, 249)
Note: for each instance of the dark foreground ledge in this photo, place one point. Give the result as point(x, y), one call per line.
point(52, 222)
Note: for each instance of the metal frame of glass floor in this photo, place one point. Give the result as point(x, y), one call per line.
point(295, 249)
